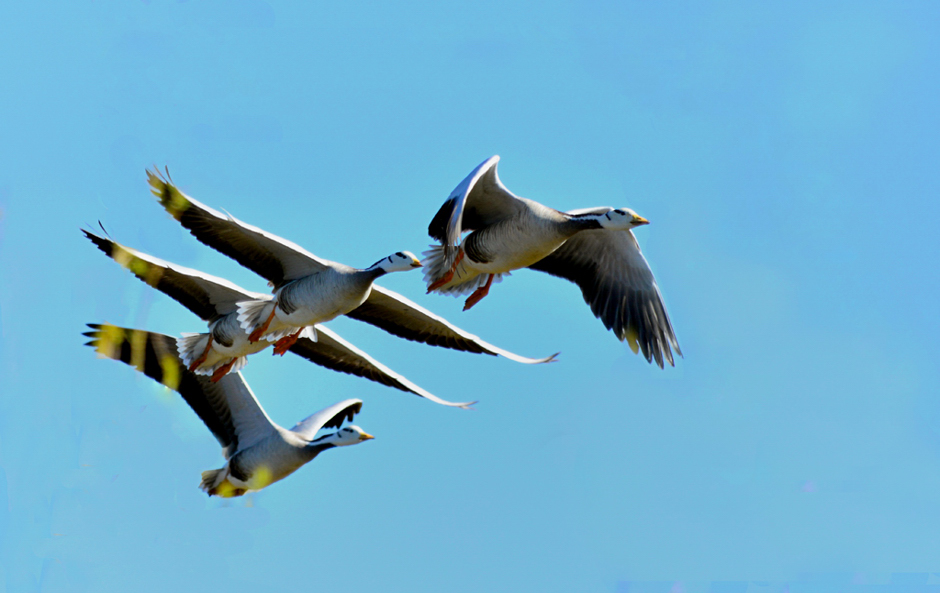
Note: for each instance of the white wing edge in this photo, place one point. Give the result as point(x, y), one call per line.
point(208, 278)
point(309, 426)
point(463, 334)
point(461, 192)
point(417, 390)
point(226, 217)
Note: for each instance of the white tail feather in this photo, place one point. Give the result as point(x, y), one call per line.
point(277, 335)
point(212, 478)
point(191, 346)
point(238, 365)
point(251, 314)
point(465, 280)
point(309, 332)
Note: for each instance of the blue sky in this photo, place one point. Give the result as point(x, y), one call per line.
point(786, 156)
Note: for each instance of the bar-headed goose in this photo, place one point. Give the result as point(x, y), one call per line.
point(309, 289)
point(225, 347)
point(258, 451)
point(593, 248)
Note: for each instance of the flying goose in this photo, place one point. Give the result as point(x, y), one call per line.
point(304, 284)
point(593, 248)
point(258, 451)
point(225, 347)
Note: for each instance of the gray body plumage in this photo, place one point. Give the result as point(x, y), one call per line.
point(325, 295)
point(522, 239)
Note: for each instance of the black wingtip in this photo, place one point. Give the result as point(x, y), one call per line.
point(105, 245)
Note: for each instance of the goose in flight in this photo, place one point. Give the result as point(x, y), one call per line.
point(258, 452)
point(309, 289)
point(225, 347)
point(594, 248)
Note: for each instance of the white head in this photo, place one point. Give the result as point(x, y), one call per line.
point(397, 262)
point(350, 435)
point(620, 219)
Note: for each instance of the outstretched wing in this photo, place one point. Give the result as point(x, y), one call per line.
point(276, 259)
point(331, 417)
point(206, 296)
point(618, 284)
point(228, 408)
point(478, 201)
point(333, 352)
point(406, 319)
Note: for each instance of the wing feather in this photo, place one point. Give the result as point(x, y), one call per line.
point(274, 258)
point(227, 408)
point(333, 352)
point(406, 319)
point(617, 282)
point(207, 296)
point(477, 202)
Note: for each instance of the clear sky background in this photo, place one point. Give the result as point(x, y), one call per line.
point(786, 155)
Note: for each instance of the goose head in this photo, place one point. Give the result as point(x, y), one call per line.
point(350, 435)
point(620, 219)
point(396, 262)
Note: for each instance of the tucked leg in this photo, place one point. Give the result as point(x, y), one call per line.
point(284, 344)
point(259, 331)
point(196, 363)
point(450, 273)
point(479, 293)
point(222, 371)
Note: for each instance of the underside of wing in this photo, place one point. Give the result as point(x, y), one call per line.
point(617, 282)
point(206, 296)
point(333, 352)
point(155, 355)
point(478, 201)
point(331, 417)
point(275, 259)
point(404, 318)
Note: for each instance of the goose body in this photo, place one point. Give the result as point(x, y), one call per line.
point(515, 242)
point(309, 289)
point(595, 248)
point(312, 299)
point(226, 347)
point(258, 452)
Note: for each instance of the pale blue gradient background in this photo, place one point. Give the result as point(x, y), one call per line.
point(786, 155)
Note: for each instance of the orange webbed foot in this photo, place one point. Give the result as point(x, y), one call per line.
point(478, 294)
point(284, 344)
point(222, 371)
point(259, 331)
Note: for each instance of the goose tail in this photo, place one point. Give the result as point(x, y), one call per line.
point(237, 365)
point(191, 347)
point(252, 314)
point(215, 483)
point(437, 263)
point(211, 479)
